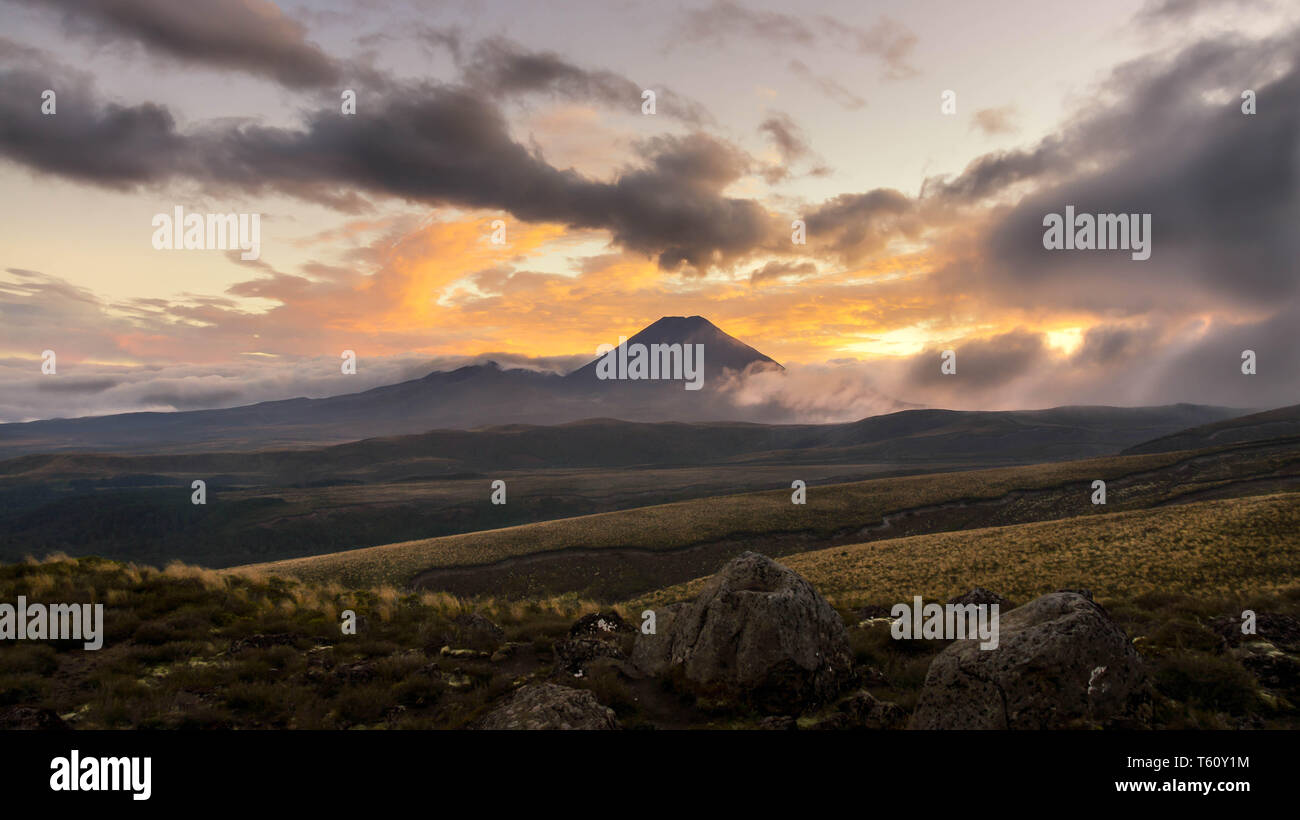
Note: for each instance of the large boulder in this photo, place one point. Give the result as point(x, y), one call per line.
point(1060, 662)
point(757, 632)
point(549, 706)
point(651, 654)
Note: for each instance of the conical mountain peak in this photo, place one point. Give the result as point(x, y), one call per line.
point(721, 350)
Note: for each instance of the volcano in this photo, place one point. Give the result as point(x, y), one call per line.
point(474, 396)
point(721, 351)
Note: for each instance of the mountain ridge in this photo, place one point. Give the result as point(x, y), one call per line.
point(909, 435)
point(482, 396)
point(1280, 422)
point(467, 397)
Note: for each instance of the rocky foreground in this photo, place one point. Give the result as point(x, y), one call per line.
point(757, 646)
point(758, 633)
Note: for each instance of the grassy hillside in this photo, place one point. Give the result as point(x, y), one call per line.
point(1280, 423)
point(280, 504)
point(151, 521)
point(617, 554)
point(1229, 547)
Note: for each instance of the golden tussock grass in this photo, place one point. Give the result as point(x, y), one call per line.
point(1226, 547)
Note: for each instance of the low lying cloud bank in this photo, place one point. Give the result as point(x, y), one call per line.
point(79, 389)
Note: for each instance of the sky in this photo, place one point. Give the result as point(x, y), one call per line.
point(923, 226)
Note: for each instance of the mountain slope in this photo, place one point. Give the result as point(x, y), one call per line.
point(1280, 423)
point(469, 397)
point(441, 399)
point(721, 351)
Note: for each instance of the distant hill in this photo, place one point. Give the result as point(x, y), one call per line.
point(1271, 424)
point(271, 504)
point(440, 399)
point(908, 438)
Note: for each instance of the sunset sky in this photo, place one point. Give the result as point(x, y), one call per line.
point(924, 229)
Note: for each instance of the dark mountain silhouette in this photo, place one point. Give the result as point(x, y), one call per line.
point(910, 438)
point(721, 351)
point(466, 398)
point(1282, 422)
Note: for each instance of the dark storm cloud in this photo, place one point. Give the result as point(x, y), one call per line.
point(1209, 367)
point(853, 225)
point(674, 203)
point(991, 174)
point(1167, 137)
point(1222, 187)
point(423, 143)
point(105, 144)
point(1114, 344)
point(254, 36)
point(982, 364)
